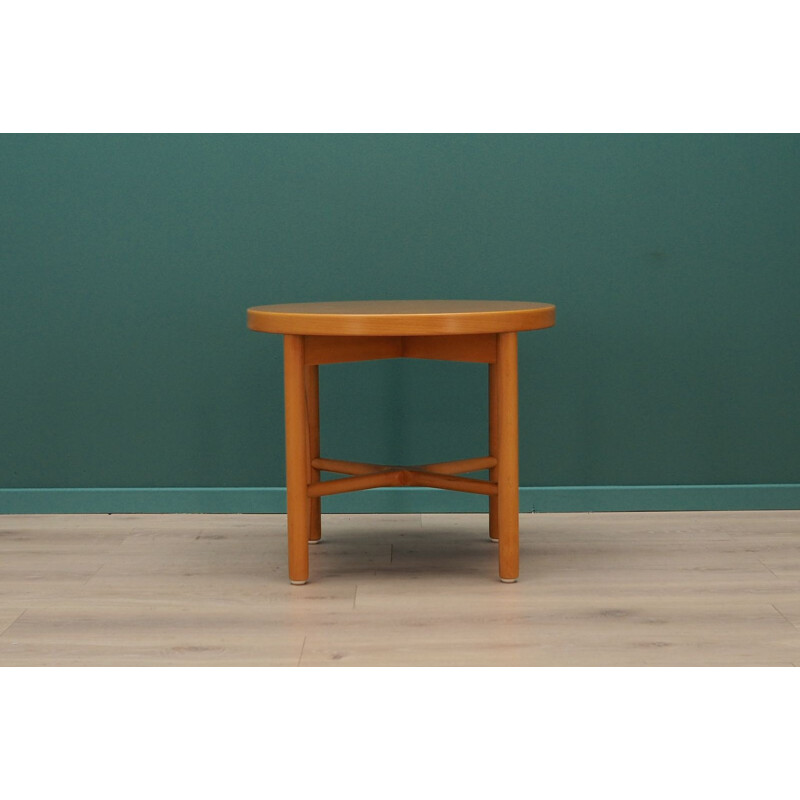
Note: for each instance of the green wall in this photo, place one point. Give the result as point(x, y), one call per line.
point(128, 262)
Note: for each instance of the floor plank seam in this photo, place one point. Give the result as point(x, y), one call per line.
point(13, 622)
point(784, 616)
point(94, 574)
point(766, 567)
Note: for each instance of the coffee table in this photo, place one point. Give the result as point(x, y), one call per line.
point(361, 330)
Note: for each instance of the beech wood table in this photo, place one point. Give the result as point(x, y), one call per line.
point(451, 330)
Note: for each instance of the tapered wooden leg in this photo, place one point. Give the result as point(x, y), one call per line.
point(493, 448)
point(312, 475)
point(507, 457)
point(297, 500)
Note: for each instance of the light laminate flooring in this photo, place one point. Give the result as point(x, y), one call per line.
point(610, 589)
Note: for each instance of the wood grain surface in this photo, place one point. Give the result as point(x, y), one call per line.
point(621, 589)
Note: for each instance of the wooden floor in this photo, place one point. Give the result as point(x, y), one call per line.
point(628, 589)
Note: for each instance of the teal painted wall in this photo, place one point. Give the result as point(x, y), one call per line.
point(128, 263)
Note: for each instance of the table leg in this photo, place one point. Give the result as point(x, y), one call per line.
point(297, 500)
point(507, 457)
point(312, 475)
point(493, 449)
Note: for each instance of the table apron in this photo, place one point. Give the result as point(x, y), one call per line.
point(474, 347)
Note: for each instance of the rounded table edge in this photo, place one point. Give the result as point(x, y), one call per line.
point(517, 320)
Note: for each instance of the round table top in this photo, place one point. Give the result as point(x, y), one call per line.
point(401, 317)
